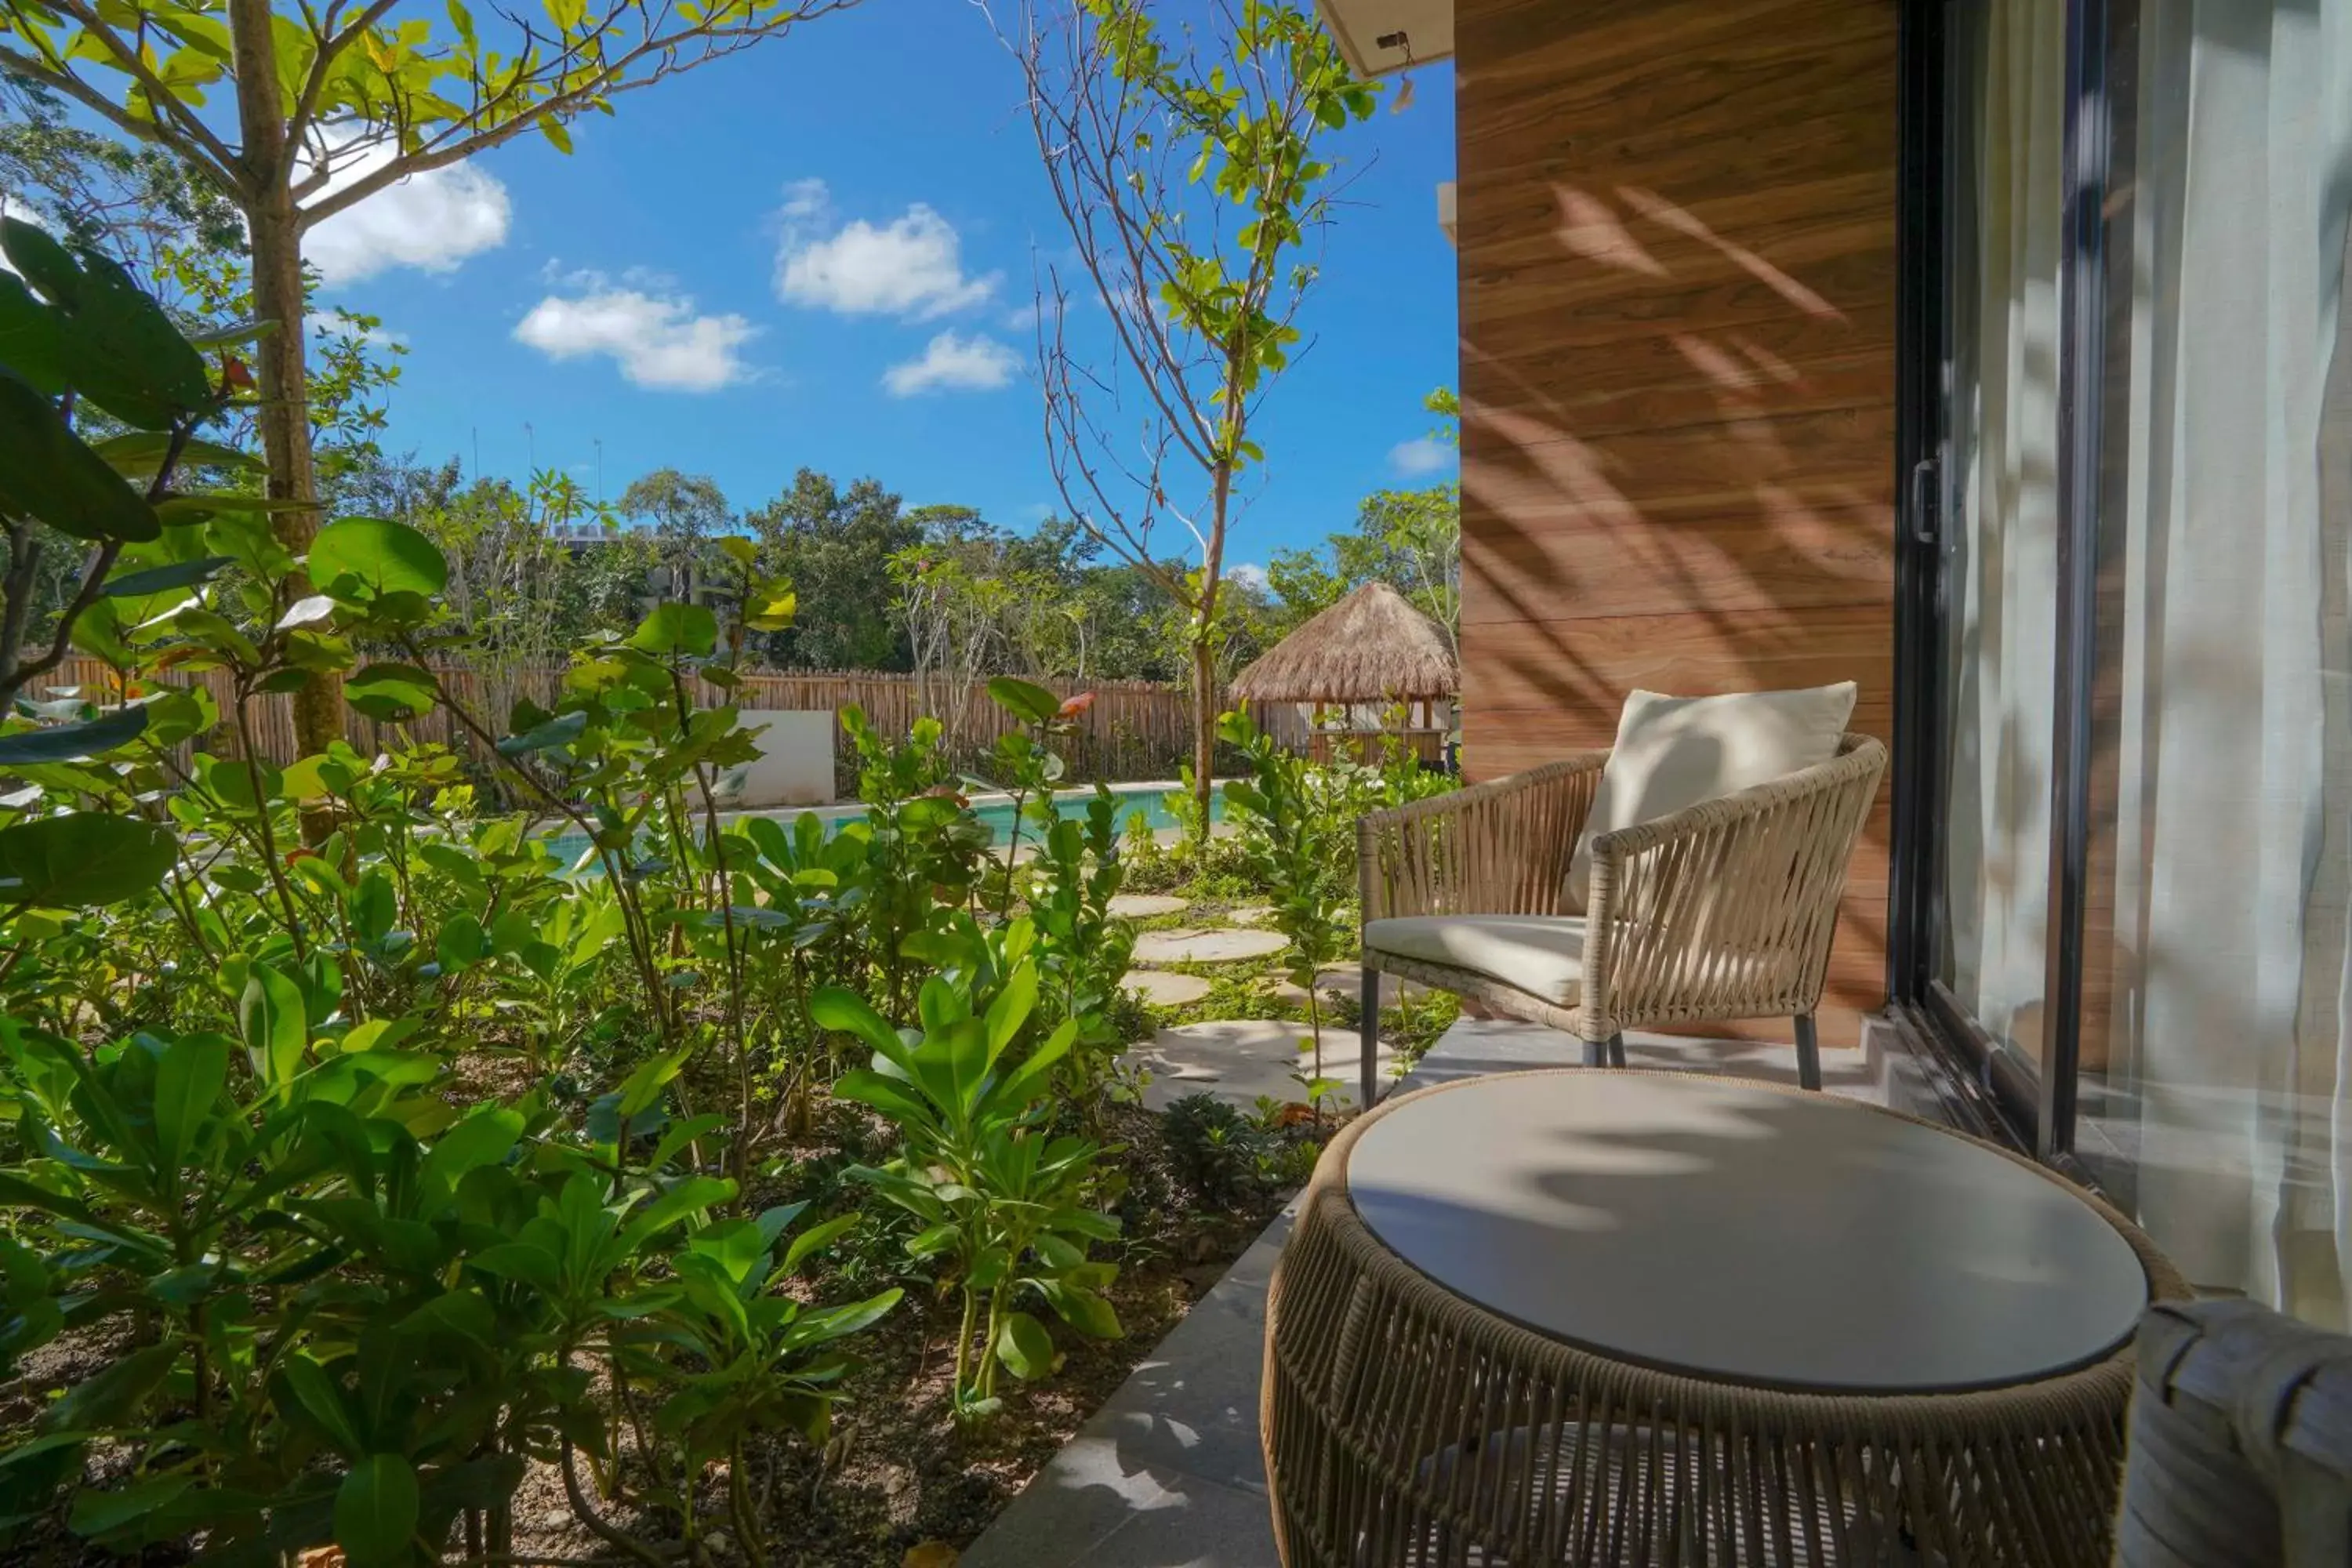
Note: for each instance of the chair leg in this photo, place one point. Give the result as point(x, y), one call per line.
point(1809, 1053)
point(1368, 1037)
point(1617, 1050)
point(1596, 1052)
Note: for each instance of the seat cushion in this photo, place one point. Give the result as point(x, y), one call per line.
point(1675, 752)
point(1540, 954)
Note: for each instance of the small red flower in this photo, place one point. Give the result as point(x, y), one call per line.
point(1073, 705)
point(235, 375)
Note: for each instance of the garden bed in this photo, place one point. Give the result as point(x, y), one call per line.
point(899, 1474)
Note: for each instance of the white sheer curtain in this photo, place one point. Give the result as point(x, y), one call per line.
point(2001, 573)
point(2227, 1044)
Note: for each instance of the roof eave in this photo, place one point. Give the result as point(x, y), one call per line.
point(1358, 25)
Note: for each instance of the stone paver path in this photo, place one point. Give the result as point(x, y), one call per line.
point(1345, 983)
point(1249, 915)
point(1165, 987)
point(1145, 905)
point(1238, 1059)
point(1204, 946)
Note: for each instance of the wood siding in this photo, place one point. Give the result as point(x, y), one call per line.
point(1676, 236)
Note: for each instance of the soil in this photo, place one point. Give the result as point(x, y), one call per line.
point(900, 1481)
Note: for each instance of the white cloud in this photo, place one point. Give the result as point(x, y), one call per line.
point(1421, 455)
point(910, 266)
point(975, 364)
point(432, 221)
point(806, 201)
point(658, 340)
point(1249, 574)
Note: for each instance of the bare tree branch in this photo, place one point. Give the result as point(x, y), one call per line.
point(27, 68)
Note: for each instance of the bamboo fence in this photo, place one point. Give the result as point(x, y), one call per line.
point(1134, 729)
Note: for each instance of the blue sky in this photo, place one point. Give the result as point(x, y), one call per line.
point(816, 254)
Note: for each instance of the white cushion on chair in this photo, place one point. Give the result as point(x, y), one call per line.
point(1540, 954)
point(1676, 751)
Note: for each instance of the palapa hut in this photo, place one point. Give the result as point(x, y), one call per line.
point(1348, 668)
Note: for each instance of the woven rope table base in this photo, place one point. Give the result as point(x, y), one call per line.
point(1406, 1427)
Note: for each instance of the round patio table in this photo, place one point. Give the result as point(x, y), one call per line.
point(1597, 1317)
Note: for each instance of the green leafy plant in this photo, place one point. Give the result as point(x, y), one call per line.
point(1066, 888)
point(1006, 1208)
point(1295, 870)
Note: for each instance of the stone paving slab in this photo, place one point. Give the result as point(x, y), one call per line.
point(1249, 915)
point(1165, 987)
point(1238, 1059)
point(1348, 983)
point(1168, 1474)
point(1146, 906)
point(1204, 946)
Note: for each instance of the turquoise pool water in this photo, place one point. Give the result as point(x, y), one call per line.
point(997, 814)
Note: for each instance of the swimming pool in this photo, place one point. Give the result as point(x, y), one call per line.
point(995, 810)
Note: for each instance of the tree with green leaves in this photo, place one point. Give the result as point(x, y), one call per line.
point(686, 512)
point(836, 546)
point(328, 104)
point(1192, 173)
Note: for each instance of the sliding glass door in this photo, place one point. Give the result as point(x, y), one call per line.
point(1999, 516)
point(2125, 892)
point(2214, 1066)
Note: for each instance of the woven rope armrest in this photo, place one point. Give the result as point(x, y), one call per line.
point(1726, 909)
point(1497, 848)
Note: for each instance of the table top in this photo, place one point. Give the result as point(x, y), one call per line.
point(1703, 1226)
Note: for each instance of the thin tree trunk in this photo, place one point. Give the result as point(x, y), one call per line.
point(274, 234)
point(1205, 719)
point(1204, 633)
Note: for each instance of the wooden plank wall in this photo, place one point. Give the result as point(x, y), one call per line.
point(1677, 241)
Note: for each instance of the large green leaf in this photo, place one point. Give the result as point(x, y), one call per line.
point(111, 1396)
point(72, 742)
point(1083, 1310)
point(44, 262)
point(390, 692)
point(156, 579)
point(137, 454)
point(1024, 700)
point(120, 350)
point(100, 1512)
point(86, 857)
point(690, 630)
point(365, 558)
point(375, 1512)
point(1010, 1009)
point(836, 1007)
point(45, 472)
point(484, 1137)
point(188, 1082)
point(1024, 1347)
point(461, 943)
point(276, 1027)
point(32, 336)
point(559, 730)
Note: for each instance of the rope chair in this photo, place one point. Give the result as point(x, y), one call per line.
point(1723, 910)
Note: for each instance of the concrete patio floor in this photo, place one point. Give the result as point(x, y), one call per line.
point(1168, 1473)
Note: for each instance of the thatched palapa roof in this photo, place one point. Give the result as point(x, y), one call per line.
point(1370, 646)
